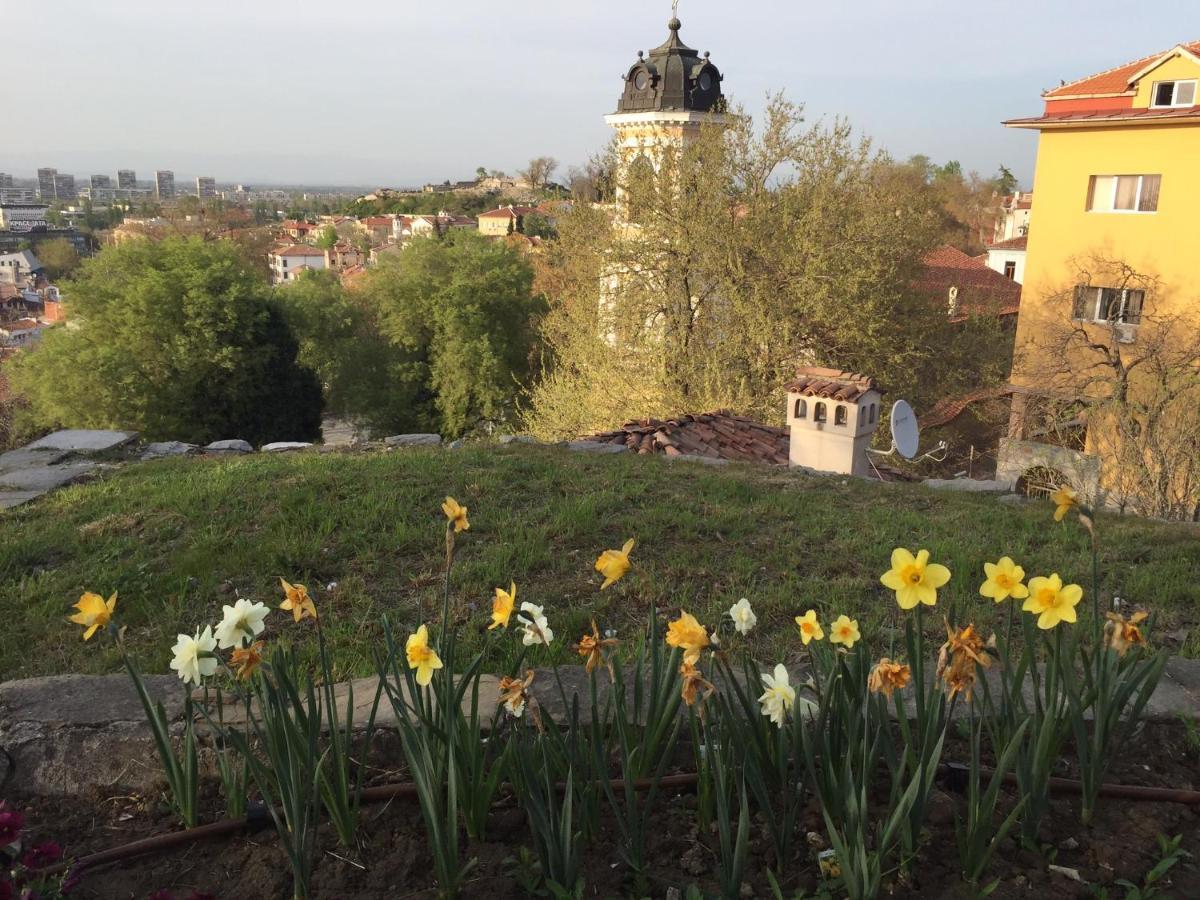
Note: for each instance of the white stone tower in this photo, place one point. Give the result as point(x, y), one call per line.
point(832, 416)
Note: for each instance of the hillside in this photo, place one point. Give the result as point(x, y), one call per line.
point(178, 537)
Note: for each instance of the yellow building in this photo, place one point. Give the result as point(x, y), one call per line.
point(1112, 257)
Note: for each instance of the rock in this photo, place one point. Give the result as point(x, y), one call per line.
point(970, 485)
point(83, 441)
point(518, 439)
point(46, 478)
point(285, 446)
point(161, 449)
point(940, 809)
point(10, 499)
point(704, 460)
point(1069, 844)
point(457, 445)
point(234, 446)
point(596, 447)
point(1012, 499)
point(26, 458)
point(413, 440)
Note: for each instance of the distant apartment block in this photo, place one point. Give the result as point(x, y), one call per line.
point(46, 183)
point(101, 181)
point(64, 187)
point(126, 179)
point(164, 184)
point(6, 182)
point(206, 188)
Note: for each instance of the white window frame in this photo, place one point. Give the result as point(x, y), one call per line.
point(1116, 185)
point(1174, 104)
point(1092, 307)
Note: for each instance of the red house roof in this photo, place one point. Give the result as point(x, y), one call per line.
point(1111, 81)
point(981, 291)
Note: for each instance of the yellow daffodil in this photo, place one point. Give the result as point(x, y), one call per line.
point(456, 515)
point(779, 696)
point(296, 599)
point(244, 660)
point(514, 694)
point(1052, 601)
point(1004, 579)
point(613, 564)
point(689, 635)
point(914, 578)
point(693, 683)
point(888, 676)
point(958, 657)
point(1065, 499)
point(502, 606)
point(810, 628)
point(94, 612)
point(421, 656)
point(1121, 633)
point(591, 647)
point(743, 616)
point(844, 630)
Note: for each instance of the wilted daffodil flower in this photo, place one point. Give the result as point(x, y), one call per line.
point(844, 631)
point(421, 656)
point(193, 657)
point(536, 629)
point(963, 650)
point(502, 606)
point(297, 601)
point(456, 515)
point(743, 616)
point(241, 623)
point(1004, 579)
point(914, 578)
point(514, 694)
point(94, 612)
point(1065, 499)
point(591, 647)
point(810, 628)
point(888, 676)
point(244, 660)
point(693, 683)
point(613, 564)
point(1052, 601)
point(689, 635)
point(779, 696)
point(1121, 633)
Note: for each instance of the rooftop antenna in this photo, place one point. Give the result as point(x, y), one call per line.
point(906, 438)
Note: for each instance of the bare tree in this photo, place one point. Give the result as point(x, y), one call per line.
point(539, 171)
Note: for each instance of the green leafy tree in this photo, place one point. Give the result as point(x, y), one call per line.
point(178, 339)
point(537, 225)
point(59, 256)
point(327, 238)
point(463, 308)
point(1006, 182)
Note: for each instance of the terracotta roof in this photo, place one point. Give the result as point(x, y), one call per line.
point(715, 435)
point(1111, 81)
point(1087, 117)
point(833, 384)
point(1017, 243)
point(378, 221)
point(299, 250)
point(981, 291)
point(950, 408)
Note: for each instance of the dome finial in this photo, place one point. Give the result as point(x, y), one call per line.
point(674, 24)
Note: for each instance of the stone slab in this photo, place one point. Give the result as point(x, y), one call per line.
point(413, 440)
point(83, 441)
point(970, 485)
point(518, 439)
point(24, 458)
point(46, 478)
point(161, 449)
point(285, 446)
point(11, 499)
point(231, 446)
point(595, 447)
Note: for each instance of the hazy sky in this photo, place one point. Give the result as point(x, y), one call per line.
point(399, 92)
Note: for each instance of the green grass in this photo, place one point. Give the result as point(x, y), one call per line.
point(176, 537)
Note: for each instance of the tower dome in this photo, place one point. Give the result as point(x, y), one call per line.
point(672, 77)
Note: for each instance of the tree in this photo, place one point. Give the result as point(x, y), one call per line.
point(59, 256)
point(539, 171)
point(464, 311)
point(178, 339)
point(752, 252)
point(481, 173)
point(327, 238)
point(537, 225)
point(1006, 182)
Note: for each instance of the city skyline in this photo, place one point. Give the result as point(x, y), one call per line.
point(429, 94)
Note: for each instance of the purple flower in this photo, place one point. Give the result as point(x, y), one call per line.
point(47, 853)
point(11, 823)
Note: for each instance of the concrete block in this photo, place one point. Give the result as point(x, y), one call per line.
point(83, 441)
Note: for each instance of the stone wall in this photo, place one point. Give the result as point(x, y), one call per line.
point(1080, 469)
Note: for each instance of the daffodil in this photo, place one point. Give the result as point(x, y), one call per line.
point(502, 606)
point(743, 616)
point(963, 651)
point(296, 600)
point(779, 696)
point(192, 656)
point(421, 656)
point(244, 660)
point(689, 635)
point(514, 694)
point(810, 628)
point(693, 683)
point(241, 623)
point(888, 676)
point(1004, 579)
point(94, 612)
point(613, 564)
point(1052, 601)
point(1121, 633)
point(456, 515)
point(914, 578)
point(844, 630)
point(536, 629)
point(591, 647)
point(1065, 499)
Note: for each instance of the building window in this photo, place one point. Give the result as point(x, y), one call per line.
point(872, 414)
point(839, 415)
point(801, 411)
point(1114, 306)
point(1123, 193)
point(1174, 93)
point(1010, 269)
point(820, 414)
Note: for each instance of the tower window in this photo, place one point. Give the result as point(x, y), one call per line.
point(801, 410)
point(839, 415)
point(872, 414)
point(1174, 93)
point(820, 414)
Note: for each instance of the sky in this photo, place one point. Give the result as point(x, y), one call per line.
point(401, 92)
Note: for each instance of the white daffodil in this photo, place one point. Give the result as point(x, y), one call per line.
point(534, 626)
point(243, 622)
point(779, 696)
point(193, 656)
point(743, 616)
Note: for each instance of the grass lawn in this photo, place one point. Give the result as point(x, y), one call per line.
point(176, 538)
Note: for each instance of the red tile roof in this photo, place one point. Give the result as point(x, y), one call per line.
point(1111, 81)
point(1088, 117)
point(981, 291)
point(715, 435)
point(298, 250)
point(1017, 243)
point(833, 384)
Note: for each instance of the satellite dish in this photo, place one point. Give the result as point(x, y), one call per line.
point(905, 435)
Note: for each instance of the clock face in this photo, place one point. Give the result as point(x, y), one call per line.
point(641, 81)
point(706, 81)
